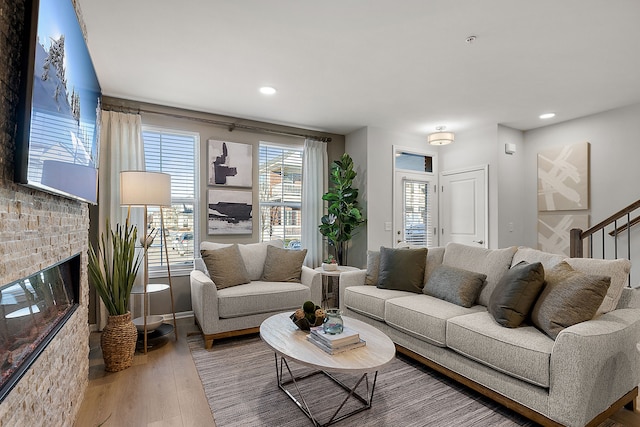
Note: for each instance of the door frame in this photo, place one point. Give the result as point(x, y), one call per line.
point(484, 168)
point(431, 176)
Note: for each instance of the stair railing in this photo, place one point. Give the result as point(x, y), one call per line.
point(578, 236)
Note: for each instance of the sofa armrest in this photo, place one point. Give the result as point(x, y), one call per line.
point(350, 278)
point(312, 279)
point(593, 364)
point(204, 294)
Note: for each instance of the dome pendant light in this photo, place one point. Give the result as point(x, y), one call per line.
point(440, 137)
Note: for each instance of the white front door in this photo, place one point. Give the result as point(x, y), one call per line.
point(415, 210)
point(463, 207)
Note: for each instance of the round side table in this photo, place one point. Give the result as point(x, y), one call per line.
point(335, 274)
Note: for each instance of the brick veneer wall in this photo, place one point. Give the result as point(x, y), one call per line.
point(36, 230)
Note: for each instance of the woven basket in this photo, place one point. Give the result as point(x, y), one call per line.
point(118, 342)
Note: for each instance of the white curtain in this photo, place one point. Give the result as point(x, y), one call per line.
point(314, 185)
point(121, 148)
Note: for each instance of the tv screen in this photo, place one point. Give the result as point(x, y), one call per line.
point(58, 127)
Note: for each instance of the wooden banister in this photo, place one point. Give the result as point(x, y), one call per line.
point(577, 236)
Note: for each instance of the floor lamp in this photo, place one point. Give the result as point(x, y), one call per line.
point(142, 189)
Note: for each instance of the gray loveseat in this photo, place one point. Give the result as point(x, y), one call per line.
point(240, 309)
point(589, 371)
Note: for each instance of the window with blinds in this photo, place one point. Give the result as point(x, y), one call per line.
point(280, 187)
point(416, 212)
point(174, 153)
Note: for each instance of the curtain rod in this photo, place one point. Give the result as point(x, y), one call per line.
point(229, 125)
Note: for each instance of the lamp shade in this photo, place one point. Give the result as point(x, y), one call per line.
point(139, 188)
point(440, 138)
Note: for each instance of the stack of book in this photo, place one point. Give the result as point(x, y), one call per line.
point(333, 344)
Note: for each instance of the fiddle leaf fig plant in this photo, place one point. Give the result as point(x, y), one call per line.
point(344, 215)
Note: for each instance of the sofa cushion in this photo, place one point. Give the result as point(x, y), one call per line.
point(434, 259)
point(569, 297)
point(402, 269)
point(530, 255)
point(455, 285)
point(373, 266)
point(492, 262)
point(253, 254)
point(423, 316)
point(515, 294)
point(369, 300)
point(261, 297)
point(283, 265)
point(226, 267)
point(617, 269)
point(523, 353)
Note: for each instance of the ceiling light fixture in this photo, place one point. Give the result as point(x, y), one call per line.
point(440, 137)
point(547, 115)
point(267, 90)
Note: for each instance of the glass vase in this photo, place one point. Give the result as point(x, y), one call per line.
point(333, 323)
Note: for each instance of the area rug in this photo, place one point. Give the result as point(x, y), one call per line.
point(239, 379)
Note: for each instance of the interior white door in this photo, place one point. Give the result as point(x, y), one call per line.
point(463, 207)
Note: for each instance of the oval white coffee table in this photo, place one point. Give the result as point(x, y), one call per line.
point(290, 344)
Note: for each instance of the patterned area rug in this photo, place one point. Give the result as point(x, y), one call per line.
point(239, 379)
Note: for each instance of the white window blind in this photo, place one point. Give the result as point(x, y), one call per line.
point(173, 153)
point(280, 187)
point(417, 212)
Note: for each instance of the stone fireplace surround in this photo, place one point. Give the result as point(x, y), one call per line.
point(36, 231)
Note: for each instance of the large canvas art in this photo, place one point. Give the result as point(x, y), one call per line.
point(554, 231)
point(563, 178)
point(230, 163)
point(230, 212)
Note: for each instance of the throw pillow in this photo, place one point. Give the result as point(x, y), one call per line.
point(617, 269)
point(515, 294)
point(569, 297)
point(492, 262)
point(226, 267)
point(402, 269)
point(373, 266)
point(455, 285)
point(283, 265)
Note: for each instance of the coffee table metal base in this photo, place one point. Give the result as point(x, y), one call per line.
point(304, 406)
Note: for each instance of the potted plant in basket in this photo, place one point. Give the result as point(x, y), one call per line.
point(113, 267)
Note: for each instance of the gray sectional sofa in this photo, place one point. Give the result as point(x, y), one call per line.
point(580, 377)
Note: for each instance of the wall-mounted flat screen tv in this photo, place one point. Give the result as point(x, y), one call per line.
point(59, 111)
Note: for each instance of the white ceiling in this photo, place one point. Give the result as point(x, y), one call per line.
point(403, 65)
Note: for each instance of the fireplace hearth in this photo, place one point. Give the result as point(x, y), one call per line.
point(32, 311)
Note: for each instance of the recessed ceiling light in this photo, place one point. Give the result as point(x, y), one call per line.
point(547, 115)
point(267, 90)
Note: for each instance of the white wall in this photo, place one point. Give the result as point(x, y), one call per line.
point(378, 145)
point(356, 146)
point(615, 174)
point(511, 181)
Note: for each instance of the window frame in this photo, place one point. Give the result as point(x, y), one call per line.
point(182, 269)
point(283, 204)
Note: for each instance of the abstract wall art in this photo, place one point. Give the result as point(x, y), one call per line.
point(554, 231)
point(229, 163)
point(563, 178)
point(229, 212)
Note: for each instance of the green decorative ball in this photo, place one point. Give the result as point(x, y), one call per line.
point(309, 307)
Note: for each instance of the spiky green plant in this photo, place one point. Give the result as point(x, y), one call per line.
point(114, 265)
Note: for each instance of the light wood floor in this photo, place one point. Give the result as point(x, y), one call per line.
point(163, 389)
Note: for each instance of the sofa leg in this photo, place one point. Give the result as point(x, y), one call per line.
point(632, 405)
point(208, 341)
